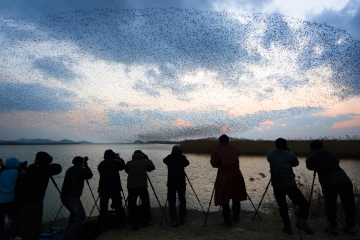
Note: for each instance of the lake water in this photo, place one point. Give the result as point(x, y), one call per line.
point(200, 173)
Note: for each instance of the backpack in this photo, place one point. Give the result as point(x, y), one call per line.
point(90, 230)
point(54, 233)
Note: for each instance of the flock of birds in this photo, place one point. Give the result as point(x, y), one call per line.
point(40, 55)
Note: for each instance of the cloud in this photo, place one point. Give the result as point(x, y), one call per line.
point(33, 97)
point(55, 67)
point(176, 72)
point(347, 19)
point(354, 121)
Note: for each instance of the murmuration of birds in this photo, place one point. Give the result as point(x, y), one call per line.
point(169, 74)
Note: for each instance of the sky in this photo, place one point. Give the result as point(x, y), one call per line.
point(120, 71)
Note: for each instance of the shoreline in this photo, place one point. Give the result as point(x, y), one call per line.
point(269, 228)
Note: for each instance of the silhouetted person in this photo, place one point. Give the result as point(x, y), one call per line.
point(110, 187)
point(71, 192)
point(137, 169)
point(230, 182)
point(33, 190)
point(9, 176)
point(176, 162)
point(282, 160)
point(334, 182)
point(2, 164)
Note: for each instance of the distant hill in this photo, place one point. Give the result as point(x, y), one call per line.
point(23, 141)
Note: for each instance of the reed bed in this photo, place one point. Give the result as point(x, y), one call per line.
point(343, 148)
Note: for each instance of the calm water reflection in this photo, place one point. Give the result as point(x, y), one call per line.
point(200, 172)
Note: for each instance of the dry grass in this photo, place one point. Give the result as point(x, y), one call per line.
point(348, 148)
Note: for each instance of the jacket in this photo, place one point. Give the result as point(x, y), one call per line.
point(137, 169)
point(36, 180)
point(176, 163)
point(326, 164)
point(281, 163)
point(109, 181)
point(8, 178)
point(229, 182)
point(73, 184)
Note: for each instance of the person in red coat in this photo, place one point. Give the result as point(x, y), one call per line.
point(229, 182)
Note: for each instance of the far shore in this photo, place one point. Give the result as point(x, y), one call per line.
point(341, 148)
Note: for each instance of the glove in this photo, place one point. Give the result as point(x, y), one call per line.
point(23, 165)
point(86, 158)
point(146, 156)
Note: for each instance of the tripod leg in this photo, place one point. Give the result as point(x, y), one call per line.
point(195, 193)
point(157, 199)
point(256, 212)
point(207, 214)
point(312, 188)
point(262, 198)
point(93, 207)
point(296, 217)
point(162, 217)
point(87, 181)
point(125, 205)
point(56, 216)
point(326, 214)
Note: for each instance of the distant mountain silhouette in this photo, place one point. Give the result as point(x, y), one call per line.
point(23, 141)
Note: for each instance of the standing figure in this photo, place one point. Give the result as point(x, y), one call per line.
point(176, 162)
point(110, 187)
point(282, 160)
point(229, 182)
point(71, 192)
point(9, 177)
point(334, 182)
point(137, 169)
point(32, 193)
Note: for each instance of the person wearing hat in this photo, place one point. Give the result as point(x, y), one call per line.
point(176, 163)
point(71, 191)
point(137, 169)
point(229, 182)
point(334, 181)
point(32, 193)
point(110, 187)
point(282, 161)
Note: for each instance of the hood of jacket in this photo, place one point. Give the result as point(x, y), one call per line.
point(138, 156)
point(12, 163)
point(176, 150)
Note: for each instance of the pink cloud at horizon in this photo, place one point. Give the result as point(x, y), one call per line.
point(182, 123)
point(268, 124)
point(346, 107)
point(354, 122)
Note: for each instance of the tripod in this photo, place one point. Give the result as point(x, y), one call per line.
point(56, 186)
point(312, 188)
point(296, 213)
point(87, 181)
point(162, 210)
point(207, 213)
point(257, 209)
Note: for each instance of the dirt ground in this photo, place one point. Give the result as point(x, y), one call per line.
point(269, 228)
